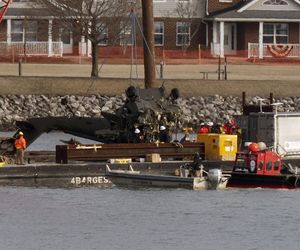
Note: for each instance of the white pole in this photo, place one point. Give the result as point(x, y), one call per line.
point(71, 41)
point(8, 36)
point(50, 48)
point(82, 52)
point(89, 43)
point(221, 39)
point(261, 45)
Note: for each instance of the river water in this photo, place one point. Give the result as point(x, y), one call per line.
point(115, 218)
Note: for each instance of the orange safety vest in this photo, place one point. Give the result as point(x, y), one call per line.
point(20, 143)
point(203, 130)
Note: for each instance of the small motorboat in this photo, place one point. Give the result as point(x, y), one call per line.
point(191, 176)
point(212, 180)
point(260, 167)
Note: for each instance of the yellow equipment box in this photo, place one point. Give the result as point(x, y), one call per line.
point(219, 146)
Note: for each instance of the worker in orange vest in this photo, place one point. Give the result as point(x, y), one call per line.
point(20, 145)
point(203, 129)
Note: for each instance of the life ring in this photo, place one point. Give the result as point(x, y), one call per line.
point(252, 168)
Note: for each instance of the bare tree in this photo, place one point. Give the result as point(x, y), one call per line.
point(92, 19)
point(188, 11)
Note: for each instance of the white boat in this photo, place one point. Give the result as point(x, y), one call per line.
point(189, 179)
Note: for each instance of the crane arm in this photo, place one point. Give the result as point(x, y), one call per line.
point(3, 8)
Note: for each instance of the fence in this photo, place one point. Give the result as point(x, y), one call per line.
point(31, 48)
point(274, 50)
point(127, 52)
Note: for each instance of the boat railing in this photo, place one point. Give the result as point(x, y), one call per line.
point(129, 170)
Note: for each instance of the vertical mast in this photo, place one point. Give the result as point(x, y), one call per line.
point(149, 57)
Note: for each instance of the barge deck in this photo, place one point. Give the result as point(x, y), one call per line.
point(84, 174)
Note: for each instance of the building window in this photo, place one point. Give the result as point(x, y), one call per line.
point(102, 29)
point(275, 2)
point(159, 33)
point(225, 1)
point(125, 34)
point(276, 33)
point(31, 31)
point(64, 36)
point(17, 31)
point(183, 33)
point(23, 30)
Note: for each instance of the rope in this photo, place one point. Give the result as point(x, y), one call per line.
point(133, 46)
point(145, 41)
point(132, 41)
point(136, 54)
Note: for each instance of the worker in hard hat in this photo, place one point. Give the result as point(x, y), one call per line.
point(209, 125)
point(216, 129)
point(138, 138)
point(20, 145)
point(203, 129)
point(164, 135)
point(230, 127)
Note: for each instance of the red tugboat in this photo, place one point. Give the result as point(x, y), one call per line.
point(261, 167)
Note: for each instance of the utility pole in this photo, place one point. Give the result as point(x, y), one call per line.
point(149, 57)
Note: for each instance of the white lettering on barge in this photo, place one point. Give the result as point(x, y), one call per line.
point(91, 180)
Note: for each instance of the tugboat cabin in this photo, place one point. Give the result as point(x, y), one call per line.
point(261, 167)
point(256, 161)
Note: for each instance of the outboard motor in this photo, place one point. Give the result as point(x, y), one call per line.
point(214, 178)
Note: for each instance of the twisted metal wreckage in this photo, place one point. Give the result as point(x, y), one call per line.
point(146, 109)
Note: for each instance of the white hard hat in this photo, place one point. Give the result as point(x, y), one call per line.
point(210, 124)
point(137, 131)
point(162, 128)
point(202, 124)
point(262, 146)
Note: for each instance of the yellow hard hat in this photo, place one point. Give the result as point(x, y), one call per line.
point(21, 133)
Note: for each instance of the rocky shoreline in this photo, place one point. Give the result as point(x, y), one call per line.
point(194, 110)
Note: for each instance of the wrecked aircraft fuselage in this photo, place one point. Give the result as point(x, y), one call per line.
point(145, 109)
